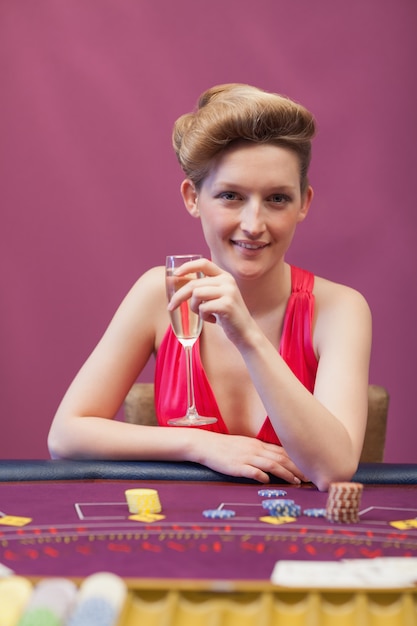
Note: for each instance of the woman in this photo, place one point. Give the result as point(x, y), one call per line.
point(276, 341)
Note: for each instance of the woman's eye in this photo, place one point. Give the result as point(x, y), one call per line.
point(228, 195)
point(280, 198)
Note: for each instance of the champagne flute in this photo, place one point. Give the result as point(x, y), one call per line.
point(187, 327)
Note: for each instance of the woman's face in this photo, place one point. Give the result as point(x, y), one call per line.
point(249, 205)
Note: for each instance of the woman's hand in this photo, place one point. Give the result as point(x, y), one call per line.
point(237, 455)
point(216, 298)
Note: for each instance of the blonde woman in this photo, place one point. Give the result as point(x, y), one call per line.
point(282, 361)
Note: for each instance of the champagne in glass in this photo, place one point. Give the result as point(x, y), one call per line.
point(187, 327)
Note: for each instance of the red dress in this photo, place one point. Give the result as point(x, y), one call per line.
point(296, 349)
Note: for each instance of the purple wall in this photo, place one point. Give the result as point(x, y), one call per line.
point(89, 183)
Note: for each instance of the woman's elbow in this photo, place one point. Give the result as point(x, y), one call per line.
point(338, 474)
point(55, 448)
point(58, 444)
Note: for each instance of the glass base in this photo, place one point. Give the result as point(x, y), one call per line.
point(192, 420)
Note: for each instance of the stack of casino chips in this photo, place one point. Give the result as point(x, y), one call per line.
point(143, 501)
point(15, 593)
point(100, 601)
point(50, 603)
point(343, 502)
point(281, 507)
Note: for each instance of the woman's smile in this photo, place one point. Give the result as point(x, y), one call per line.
point(249, 206)
point(249, 245)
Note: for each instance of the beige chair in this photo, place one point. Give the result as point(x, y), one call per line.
point(376, 428)
point(139, 409)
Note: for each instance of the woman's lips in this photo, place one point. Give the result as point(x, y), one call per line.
point(250, 245)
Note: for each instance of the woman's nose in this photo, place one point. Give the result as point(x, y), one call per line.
point(252, 221)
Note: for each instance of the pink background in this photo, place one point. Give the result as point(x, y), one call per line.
point(89, 183)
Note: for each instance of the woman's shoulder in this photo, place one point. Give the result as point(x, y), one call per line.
point(329, 291)
point(342, 318)
point(152, 281)
point(337, 302)
point(156, 273)
point(147, 293)
point(143, 311)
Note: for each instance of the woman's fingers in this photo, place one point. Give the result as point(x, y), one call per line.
point(250, 458)
point(208, 268)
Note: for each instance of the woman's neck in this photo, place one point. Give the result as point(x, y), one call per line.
point(271, 291)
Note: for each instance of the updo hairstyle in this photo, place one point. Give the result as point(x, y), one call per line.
point(236, 112)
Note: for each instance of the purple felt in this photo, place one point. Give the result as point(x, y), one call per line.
point(79, 528)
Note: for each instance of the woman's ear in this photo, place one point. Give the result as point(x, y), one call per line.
point(306, 202)
point(190, 197)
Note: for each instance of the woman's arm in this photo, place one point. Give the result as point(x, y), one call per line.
point(84, 428)
point(321, 432)
point(103, 382)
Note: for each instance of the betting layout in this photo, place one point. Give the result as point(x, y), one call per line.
point(237, 531)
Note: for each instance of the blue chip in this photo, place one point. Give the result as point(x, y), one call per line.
point(315, 512)
point(293, 510)
point(272, 493)
point(219, 513)
point(93, 611)
point(272, 504)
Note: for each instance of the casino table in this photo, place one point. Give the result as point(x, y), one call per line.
point(70, 519)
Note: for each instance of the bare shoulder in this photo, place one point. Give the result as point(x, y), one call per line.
point(340, 311)
point(331, 295)
point(148, 291)
point(145, 306)
point(152, 281)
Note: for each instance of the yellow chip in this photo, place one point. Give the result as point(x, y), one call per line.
point(15, 520)
point(15, 593)
point(284, 519)
point(405, 524)
point(148, 518)
point(143, 501)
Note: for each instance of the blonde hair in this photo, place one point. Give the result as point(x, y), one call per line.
point(233, 112)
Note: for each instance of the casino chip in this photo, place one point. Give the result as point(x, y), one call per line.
point(343, 502)
point(49, 604)
point(272, 493)
point(219, 513)
point(100, 601)
point(282, 508)
point(315, 512)
point(276, 503)
point(143, 501)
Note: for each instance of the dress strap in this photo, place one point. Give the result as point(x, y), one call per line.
point(296, 347)
point(301, 280)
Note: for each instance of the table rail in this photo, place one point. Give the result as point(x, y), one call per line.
point(39, 470)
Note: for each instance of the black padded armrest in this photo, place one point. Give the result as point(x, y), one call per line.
point(28, 470)
point(387, 473)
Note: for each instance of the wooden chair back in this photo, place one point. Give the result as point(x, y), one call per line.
point(139, 408)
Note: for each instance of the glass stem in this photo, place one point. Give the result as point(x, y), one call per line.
point(191, 410)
